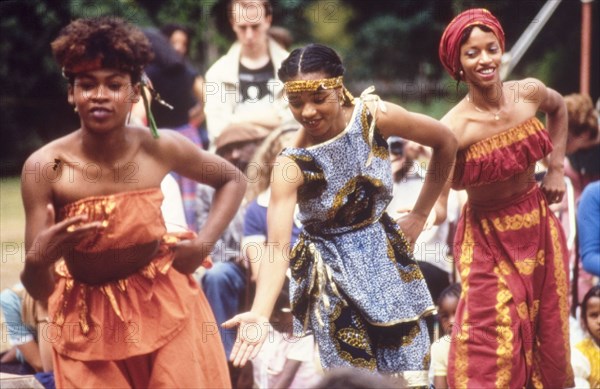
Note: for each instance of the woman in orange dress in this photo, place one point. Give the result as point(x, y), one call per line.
point(124, 310)
point(511, 327)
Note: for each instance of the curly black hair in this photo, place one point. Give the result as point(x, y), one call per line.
point(110, 40)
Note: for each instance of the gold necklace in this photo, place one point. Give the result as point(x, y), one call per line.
point(496, 115)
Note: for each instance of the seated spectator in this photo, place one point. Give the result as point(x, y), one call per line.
point(285, 361)
point(585, 356)
point(225, 283)
point(588, 226)
point(258, 195)
point(583, 142)
point(447, 303)
point(431, 250)
point(357, 379)
point(26, 322)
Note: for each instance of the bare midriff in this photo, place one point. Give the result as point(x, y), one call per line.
point(495, 191)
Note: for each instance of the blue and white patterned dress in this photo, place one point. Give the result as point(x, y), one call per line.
point(353, 282)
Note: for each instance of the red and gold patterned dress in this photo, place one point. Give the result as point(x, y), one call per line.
point(512, 325)
point(153, 328)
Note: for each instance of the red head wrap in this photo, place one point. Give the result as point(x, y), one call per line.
point(450, 43)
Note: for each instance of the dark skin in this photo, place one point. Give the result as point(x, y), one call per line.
point(106, 156)
point(323, 118)
point(472, 119)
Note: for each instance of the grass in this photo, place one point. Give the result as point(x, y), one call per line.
point(12, 229)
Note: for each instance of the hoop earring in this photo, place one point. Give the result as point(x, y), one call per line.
point(75, 109)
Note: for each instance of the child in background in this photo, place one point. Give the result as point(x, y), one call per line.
point(285, 361)
point(447, 303)
point(585, 356)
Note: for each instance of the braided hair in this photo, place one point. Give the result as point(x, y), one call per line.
point(311, 59)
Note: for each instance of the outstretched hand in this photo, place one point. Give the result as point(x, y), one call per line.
point(253, 330)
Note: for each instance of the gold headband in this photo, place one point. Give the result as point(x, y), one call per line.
point(313, 85)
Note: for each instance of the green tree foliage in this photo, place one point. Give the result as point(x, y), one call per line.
point(32, 89)
point(388, 41)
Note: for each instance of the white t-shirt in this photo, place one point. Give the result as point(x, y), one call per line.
point(278, 348)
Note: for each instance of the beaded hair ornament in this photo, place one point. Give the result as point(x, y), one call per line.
point(300, 86)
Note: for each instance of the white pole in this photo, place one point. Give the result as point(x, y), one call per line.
point(511, 58)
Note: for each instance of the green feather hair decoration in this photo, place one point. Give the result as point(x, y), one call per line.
point(151, 122)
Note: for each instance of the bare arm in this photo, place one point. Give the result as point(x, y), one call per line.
point(287, 375)
point(275, 262)
point(440, 382)
point(45, 241)
point(552, 103)
point(429, 132)
point(254, 247)
point(190, 161)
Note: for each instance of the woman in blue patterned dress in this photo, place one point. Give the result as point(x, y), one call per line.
point(354, 282)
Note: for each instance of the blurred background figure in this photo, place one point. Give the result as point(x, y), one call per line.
point(440, 348)
point(588, 228)
point(226, 282)
point(242, 86)
point(180, 38)
point(281, 35)
point(258, 195)
point(285, 361)
point(582, 166)
point(583, 142)
point(432, 249)
point(175, 81)
point(25, 321)
point(585, 355)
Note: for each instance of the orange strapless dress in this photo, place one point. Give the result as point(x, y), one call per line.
point(151, 328)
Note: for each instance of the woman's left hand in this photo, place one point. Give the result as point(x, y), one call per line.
point(189, 255)
point(553, 186)
point(412, 225)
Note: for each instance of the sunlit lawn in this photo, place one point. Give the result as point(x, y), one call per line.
point(12, 227)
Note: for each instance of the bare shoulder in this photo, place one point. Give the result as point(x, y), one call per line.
point(52, 152)
point(168, 141)
point(455, 119)
point(527, 91)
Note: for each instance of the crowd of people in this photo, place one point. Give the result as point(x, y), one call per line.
point(275, 231)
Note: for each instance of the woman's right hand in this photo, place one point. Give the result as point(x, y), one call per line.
point(253, 330)
point(49, 245)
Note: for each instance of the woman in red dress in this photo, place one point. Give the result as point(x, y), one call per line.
point(512, 327)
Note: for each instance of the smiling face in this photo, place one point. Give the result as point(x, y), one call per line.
point(480, 58)
point(103, 98)
point(319, 112)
